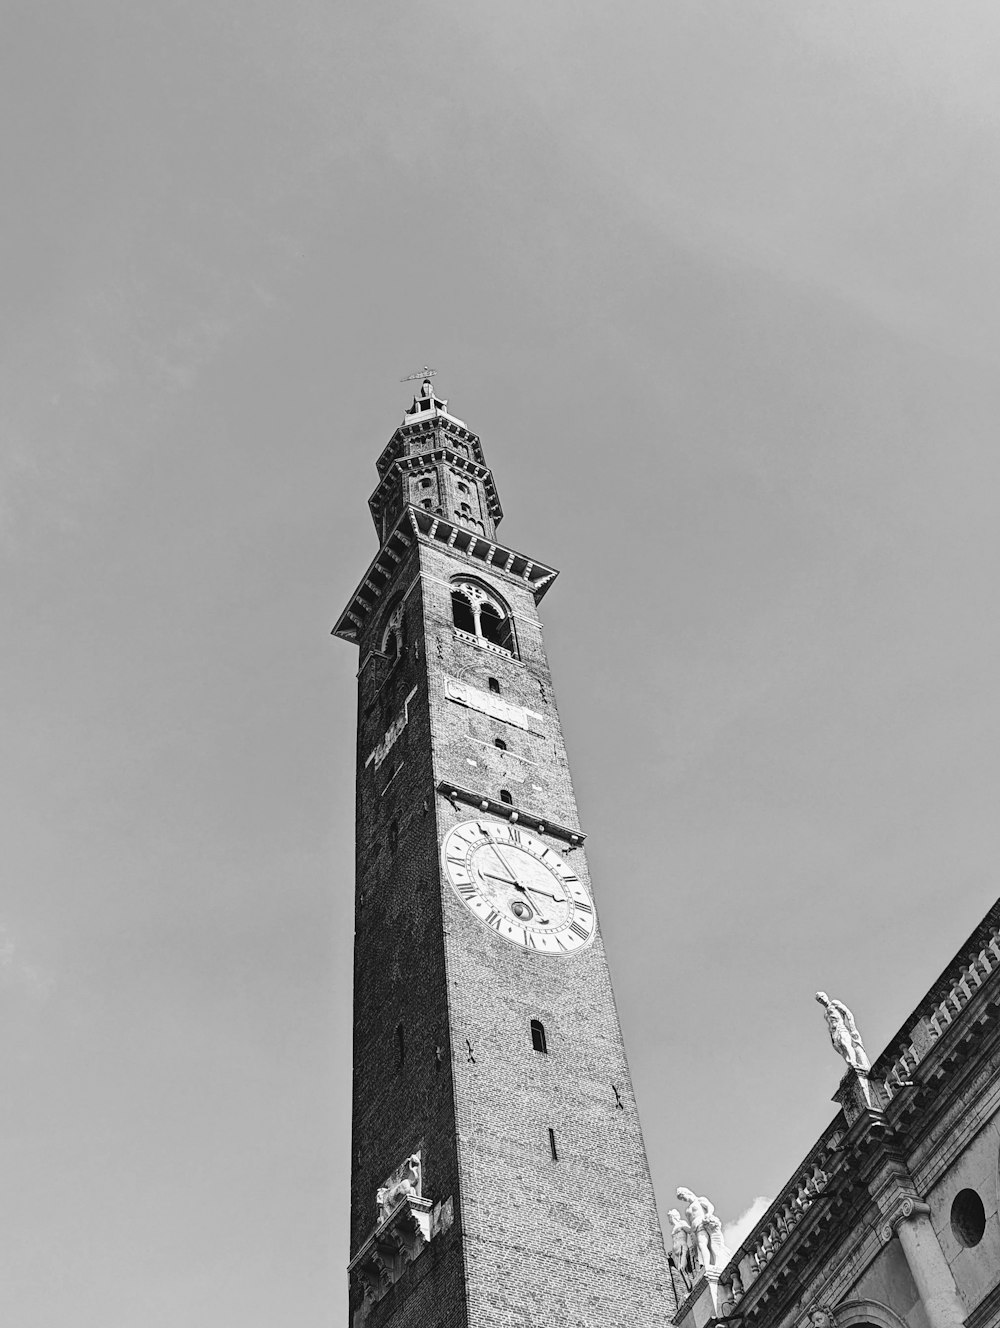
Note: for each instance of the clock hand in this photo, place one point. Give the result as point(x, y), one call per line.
point(511, 877)
point(559, 899)
point(525, 889)
point(532, 888)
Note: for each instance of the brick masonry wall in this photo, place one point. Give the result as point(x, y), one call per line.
point(568, 1242)
point(562, 1243)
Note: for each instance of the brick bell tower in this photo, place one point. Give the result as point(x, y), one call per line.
point(499, 1174)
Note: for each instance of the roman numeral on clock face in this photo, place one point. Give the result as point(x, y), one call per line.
point(493, 919)
point(577, 930)
point(583, 906)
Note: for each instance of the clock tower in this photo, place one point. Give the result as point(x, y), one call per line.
point(499, 1178)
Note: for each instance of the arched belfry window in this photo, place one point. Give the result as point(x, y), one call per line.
point(482, 614)
point(462, 612)
point(394, 637)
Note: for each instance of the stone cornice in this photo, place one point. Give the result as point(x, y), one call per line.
point(478, 551)
point(421, 461)
point(380, 574)
point(498, 558)
point(437, 421)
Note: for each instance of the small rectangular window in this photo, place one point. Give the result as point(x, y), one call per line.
point(538, 1035)
point(552, 1145)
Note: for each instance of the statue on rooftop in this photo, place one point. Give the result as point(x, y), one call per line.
point(681, 1247)
point(708, 1248)
point(427, 388)
point(844, 1033)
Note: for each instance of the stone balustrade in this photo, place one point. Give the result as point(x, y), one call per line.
point(946, 1001)
point(893, 1070)
point(784, 1214)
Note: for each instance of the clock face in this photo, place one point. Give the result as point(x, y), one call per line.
point(519, 886)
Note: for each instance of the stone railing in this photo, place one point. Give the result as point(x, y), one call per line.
point(974, 964)
point(949, 996)
point(803, 1190)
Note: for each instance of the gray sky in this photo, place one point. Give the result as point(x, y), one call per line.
point(718, 285)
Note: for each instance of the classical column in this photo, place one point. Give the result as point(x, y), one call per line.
point(928, 1265)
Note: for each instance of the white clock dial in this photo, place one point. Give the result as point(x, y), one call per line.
point(519, 886)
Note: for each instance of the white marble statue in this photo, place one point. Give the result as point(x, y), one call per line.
point(404, 1181)
point(708, 1249)
point(682, 1247)
point(844, 1033)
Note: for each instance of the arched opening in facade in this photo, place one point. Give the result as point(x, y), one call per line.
point(462, 613)
point(394, 637)
point(482, 614)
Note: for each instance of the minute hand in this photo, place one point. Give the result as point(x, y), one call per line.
point(559, 899)
point(525, 889)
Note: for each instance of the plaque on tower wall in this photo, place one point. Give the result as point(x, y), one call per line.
point(488, 703)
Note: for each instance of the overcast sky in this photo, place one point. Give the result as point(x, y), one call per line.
point(718, 285)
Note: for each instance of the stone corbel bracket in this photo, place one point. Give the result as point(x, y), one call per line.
point(396, 1242)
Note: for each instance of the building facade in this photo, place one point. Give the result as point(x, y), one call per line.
point(499, 1178)
point(892, 1219)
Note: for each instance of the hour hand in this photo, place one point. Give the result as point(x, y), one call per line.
point(533, 889)
point(507, 880)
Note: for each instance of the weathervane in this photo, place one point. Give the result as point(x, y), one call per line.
point(425, 373)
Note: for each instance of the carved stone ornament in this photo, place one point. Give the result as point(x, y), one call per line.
point(910, 1207)
point(819, 1317)
point(406, 1223)
point(405, 1181)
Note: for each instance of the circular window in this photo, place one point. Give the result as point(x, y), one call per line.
point(968, 1218)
